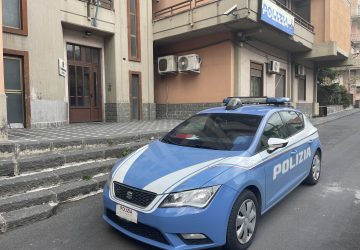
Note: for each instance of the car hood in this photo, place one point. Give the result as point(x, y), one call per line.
point(163, 168)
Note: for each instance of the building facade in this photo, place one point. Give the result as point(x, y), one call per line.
point(245, 48)
point(350, 74)
point(69, 61)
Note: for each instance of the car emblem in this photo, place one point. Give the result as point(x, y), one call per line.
point(129, 195)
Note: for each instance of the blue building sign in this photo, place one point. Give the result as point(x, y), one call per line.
point(277, 17)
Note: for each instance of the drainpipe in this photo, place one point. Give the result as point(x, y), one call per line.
point(88, 9)
point(94, 20)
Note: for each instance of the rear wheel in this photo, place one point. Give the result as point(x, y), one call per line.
point(243, 222)
point(314, 174)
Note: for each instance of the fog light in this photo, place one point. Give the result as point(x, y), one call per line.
point(193, 236)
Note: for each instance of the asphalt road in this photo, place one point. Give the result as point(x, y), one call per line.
point(325, 216)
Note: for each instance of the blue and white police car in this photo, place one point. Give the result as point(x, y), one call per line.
point(206, 183)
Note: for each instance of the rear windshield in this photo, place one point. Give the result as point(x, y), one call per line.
point(233, 132)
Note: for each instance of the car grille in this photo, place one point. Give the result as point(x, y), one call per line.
point(138, 229)
point(132, 195)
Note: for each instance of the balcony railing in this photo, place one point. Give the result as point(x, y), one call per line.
point(192, 4)
point(355, 38)
point(107, 4)
point(180, 8)
point(298, 19)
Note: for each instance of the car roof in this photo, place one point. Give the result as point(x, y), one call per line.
point(260, 110)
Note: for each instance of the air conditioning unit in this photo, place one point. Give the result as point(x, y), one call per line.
point(167, 64)
point(189, 63)
point(274, 67)
point(299, 70)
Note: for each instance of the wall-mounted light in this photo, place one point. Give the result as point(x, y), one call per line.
point(88, 33)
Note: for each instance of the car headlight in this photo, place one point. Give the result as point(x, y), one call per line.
point(198, 198)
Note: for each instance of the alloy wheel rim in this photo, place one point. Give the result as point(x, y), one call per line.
point(316, 166)
point(246, 221)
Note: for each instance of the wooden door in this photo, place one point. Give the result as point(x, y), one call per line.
point(84, 83)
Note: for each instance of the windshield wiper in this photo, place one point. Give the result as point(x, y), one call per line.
point(168, 141)
point(201, 146)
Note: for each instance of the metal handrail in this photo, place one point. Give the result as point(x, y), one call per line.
point(179, 8)
point(107, 4)
point(170, 10)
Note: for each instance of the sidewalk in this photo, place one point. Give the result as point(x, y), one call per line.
point(321, 120)
point(90, 131)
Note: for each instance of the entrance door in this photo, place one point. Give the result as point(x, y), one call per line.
point(13, 79)
point(84, 83)
point(135, 95)
point(280, 84)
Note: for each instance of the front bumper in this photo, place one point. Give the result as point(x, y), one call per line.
point(162, 228)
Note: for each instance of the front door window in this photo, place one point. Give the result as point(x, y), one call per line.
point(13, 79)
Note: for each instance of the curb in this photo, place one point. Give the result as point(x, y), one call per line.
point(336, 117)
point(40, 211)
point(9, 149)
point(21, 184)
point(36, 163)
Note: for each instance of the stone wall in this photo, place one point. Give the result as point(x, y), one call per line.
point(334, 108)
point(181, 111)
point(120, 112)
point(306, 108)
point(3, 118)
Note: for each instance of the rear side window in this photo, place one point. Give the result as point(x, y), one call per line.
point(275, 128)
point(293, 120)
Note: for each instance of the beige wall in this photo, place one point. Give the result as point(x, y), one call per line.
point(3, 109)
point(331, 19)
point(215, 81)
point(52, 23)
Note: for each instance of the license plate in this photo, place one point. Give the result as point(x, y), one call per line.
point(126, 213)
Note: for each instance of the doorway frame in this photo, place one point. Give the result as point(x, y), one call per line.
point(24, 55)
point(90, 66)
point(138, 73)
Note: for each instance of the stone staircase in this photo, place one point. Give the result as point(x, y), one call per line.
point(37, 177)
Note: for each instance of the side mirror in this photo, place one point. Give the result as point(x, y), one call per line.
point(276, 143)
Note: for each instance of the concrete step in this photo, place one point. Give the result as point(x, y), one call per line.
point(37, 163)
point(16, 150)
point(31, 207)
point(24, 183)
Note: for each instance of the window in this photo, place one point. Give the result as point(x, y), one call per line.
point(358, 89)
point(15, 17)
point(274, 128)
point(302, 88)
point(134, 30)
point(135, 96)
point(231, 132)
point(302, 8)
point(256, 80)
point(293, 120)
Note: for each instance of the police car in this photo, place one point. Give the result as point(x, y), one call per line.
point(206, 183)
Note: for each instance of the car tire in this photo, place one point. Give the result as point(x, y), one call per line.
point(315, 170)
point(244, 217)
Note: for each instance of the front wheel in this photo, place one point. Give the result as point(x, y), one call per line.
point(314, 174)
point(243, 222)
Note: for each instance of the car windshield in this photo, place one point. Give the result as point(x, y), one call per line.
point(232, 132)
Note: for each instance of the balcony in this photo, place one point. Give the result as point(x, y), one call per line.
point(107, 4)
point(355, 38)
point(192, 18)
point(78, 14)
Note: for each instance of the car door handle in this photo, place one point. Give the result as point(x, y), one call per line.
point(294, 152)
point(311, 141)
